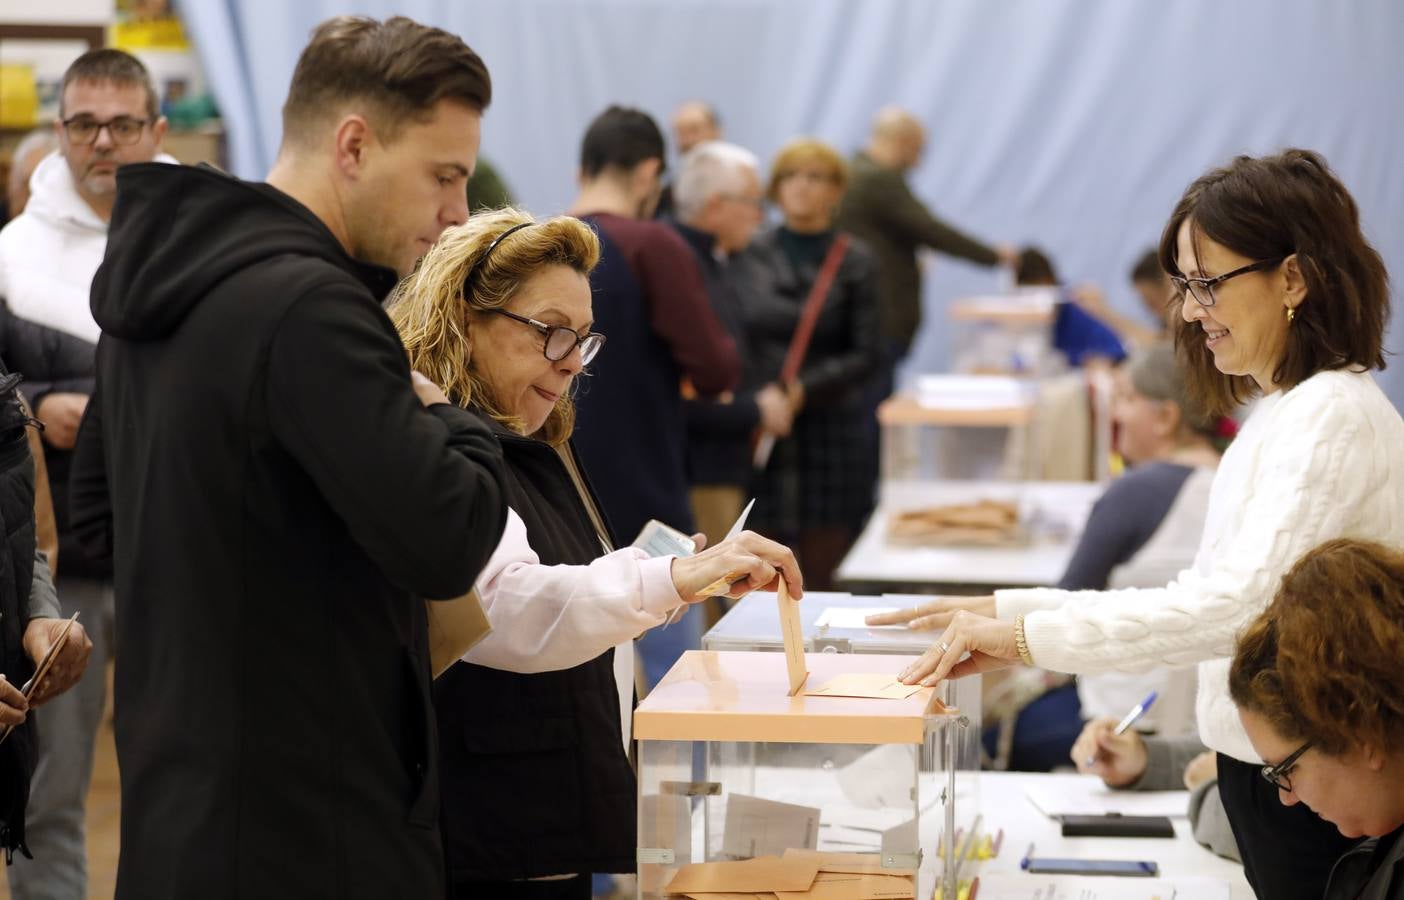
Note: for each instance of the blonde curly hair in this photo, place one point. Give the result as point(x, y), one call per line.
point(433, 308)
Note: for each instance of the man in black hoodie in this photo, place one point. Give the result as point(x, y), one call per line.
point(275, 497)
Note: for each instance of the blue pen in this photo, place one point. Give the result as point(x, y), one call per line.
point(1136, 712)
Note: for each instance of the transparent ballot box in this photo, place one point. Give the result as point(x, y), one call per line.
point(1005, 334)
point(746, 789)
point(831, 622)
point(958, 426)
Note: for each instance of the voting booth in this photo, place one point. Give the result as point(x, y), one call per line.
point(749, 785)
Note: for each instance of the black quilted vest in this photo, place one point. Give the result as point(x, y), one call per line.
point(534, 777)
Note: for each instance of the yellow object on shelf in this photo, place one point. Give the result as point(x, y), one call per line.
point(150, 34)
point(19, 96)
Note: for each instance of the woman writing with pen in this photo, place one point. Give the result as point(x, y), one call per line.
point(1281, 297)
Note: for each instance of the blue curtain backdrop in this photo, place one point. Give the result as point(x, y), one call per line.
point(1073, 124)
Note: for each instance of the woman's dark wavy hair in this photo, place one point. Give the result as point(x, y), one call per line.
point(1271, 207)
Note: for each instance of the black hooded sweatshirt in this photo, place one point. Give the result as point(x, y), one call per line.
point(276, 501)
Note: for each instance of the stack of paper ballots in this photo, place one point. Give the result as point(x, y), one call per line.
point(798, 875)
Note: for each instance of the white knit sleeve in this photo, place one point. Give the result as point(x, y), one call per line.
point(1311, 474)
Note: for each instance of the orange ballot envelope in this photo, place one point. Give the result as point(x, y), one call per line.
point(455, 627)
point(793, 636)
point(764, 873)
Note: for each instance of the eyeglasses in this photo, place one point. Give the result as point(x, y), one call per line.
point(1202, 289)
point(812, 176)
point(1280, 775)
point(560, 340)
point(84, 130)
point(754, 202)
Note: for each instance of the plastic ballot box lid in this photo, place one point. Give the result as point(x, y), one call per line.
point(743, 696)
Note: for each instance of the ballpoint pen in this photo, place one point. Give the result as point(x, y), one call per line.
point(1136, 712)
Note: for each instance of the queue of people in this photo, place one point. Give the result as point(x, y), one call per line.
point(315, 407)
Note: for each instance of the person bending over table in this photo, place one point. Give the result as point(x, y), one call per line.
point(1320, 691)
point(1281, 296)
point(1142, 530)
point(537, 790)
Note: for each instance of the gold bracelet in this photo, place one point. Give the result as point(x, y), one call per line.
point(1021, 642)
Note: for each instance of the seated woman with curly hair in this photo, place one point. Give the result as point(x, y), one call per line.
point(1319, 683)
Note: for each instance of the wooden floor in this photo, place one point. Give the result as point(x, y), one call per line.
point(104, 812)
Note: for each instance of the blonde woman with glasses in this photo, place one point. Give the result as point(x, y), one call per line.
point(536, 784)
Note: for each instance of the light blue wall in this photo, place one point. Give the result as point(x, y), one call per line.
point(1074, 124)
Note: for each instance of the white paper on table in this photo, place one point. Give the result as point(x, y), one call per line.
point(1088, 796)
point(853, 617)
point(1024, 886)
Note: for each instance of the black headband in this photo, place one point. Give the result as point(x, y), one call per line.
point(468, 279)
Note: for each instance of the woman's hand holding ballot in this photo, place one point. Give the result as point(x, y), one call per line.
point(749, 561)
point(936, 613)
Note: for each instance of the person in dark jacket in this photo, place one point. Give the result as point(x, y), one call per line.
point(48, 256)
point(30, 620)
point(277, 498)
point(1320, 691)
point(533, 721)
point(719, 199)
point(818, 485)
point(880, 208)
point(651, 301)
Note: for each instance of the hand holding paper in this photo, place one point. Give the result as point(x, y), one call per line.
point(748, 562)
point(64, 646)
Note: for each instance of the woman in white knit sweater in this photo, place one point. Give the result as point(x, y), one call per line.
point(1282, 296)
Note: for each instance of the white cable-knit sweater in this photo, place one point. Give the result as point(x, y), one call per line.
point(1323, 460)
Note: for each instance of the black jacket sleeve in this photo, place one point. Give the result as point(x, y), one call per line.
point(50, 360)
point(420, 490)
point(89, 504)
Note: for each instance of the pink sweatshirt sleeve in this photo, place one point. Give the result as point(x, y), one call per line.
point(546, 618)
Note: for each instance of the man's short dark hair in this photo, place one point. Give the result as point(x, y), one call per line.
point(620, 138)
point(1147, 268)
point(114, 67)
point(398, 68)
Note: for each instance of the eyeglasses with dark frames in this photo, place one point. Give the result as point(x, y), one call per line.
point(1202, 289)
point(1280, 775)
point(83, 130)
point(560, 340)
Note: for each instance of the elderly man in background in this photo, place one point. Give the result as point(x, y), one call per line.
point(719, 196)
point(880, 208)
point(694, 122)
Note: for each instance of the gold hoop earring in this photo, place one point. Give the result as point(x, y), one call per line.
point(1291, 314)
